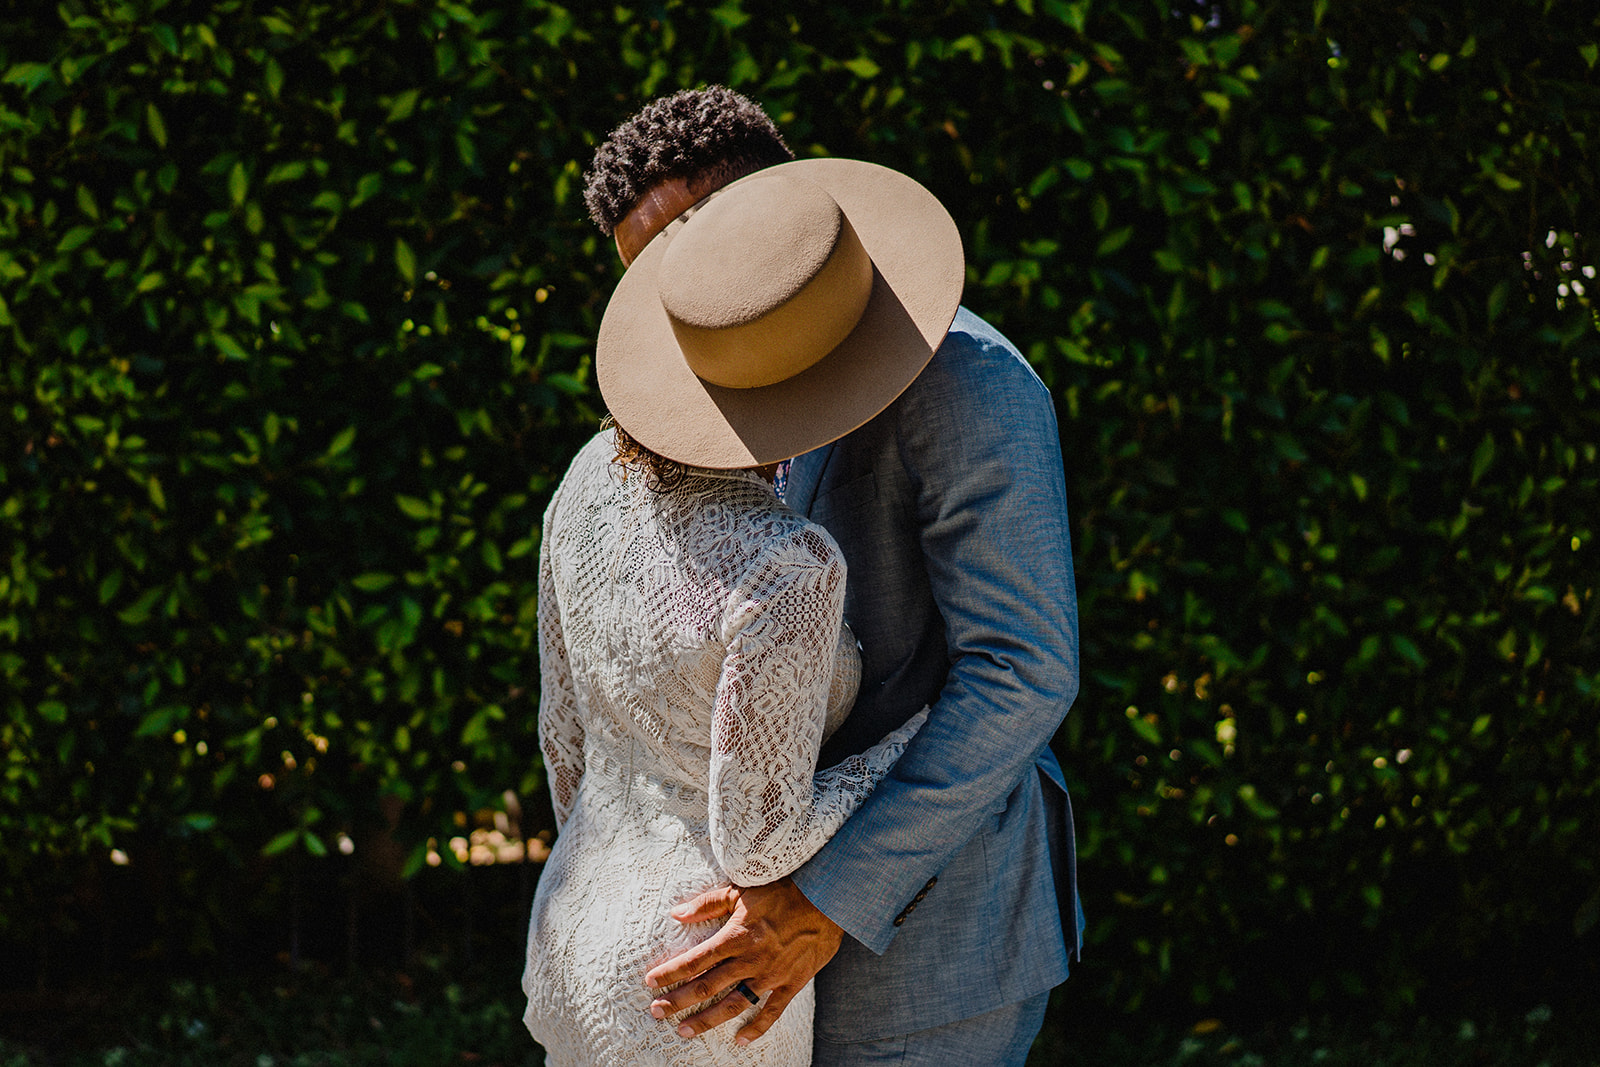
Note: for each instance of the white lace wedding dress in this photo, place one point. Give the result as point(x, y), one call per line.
point(692, 659)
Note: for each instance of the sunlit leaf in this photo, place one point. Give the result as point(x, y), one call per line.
point(413, 507)
point(156, 125)
point(238, 183)
point(405, 260)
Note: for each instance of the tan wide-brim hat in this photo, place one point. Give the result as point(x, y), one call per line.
point(780, 313)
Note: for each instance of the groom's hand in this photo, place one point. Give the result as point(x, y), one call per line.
point(774, 939)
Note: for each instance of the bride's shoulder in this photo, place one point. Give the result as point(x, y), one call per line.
point(592, 461)
point(783, 538)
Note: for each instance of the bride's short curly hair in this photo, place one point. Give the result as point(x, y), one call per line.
point(661, 474)
point(694, 133)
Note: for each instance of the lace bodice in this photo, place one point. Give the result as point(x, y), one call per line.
point(693, 657)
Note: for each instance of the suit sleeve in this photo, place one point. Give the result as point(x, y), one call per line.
point(978, 439)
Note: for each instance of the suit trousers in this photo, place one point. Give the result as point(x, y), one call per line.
point(1000, 1038)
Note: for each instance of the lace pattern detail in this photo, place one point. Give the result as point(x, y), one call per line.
point(692, 658)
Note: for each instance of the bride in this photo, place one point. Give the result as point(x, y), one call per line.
point(691, 642)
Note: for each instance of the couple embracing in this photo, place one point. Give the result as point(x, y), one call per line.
point(766, 771)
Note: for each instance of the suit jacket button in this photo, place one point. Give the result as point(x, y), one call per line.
point(899, 920)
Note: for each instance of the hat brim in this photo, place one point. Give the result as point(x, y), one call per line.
point(918, 272)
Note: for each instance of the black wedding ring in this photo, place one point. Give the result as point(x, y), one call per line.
point(745, 991)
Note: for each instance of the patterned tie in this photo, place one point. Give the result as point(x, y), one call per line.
point(780, 480)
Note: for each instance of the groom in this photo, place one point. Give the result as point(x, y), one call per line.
point(947, 905)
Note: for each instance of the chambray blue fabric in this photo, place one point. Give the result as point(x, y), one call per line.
point(950, 508)
point(1000, 1038)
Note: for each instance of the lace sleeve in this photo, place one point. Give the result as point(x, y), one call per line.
point(846, 681)
point(560, 726)
point(770, 809)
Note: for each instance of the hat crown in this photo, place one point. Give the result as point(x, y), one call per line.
point(763, 281)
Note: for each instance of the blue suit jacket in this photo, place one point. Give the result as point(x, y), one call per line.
point(955, 880)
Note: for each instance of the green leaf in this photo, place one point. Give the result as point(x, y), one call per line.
point(1288, 448)
point(74, 238)
point(1482, 458)
point(1253, 800)
point(281, 843)
point(1114, 241)
point(477, 730)
point(1075, 13)
point(291, 170)
point(229, 347)
point(413, 507)
point(238, 184)
point(372, 581)
point(158, 128)
point(1496, 302)
point(53, 711)
point(167, 37)
point(367, 186)
point(862, 67)
point(403, 104)
point(1407, 650)
point(140, 609)
point(341, 442)
point(730, 15)
point(405, 261)
point(160, 722)
point(28, 75)
point(1146, 729)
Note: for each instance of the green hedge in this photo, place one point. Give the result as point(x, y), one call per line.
point(296, 306)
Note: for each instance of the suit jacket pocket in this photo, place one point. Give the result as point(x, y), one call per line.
point(847, 497)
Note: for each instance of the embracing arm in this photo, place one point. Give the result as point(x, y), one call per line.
point(770, 808)
point(978, 440)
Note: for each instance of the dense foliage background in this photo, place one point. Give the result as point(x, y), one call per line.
point(296, 305)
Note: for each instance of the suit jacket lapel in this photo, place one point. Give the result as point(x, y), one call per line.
point(805, 475)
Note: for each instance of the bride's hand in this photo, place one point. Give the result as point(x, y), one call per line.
point(774, 939)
